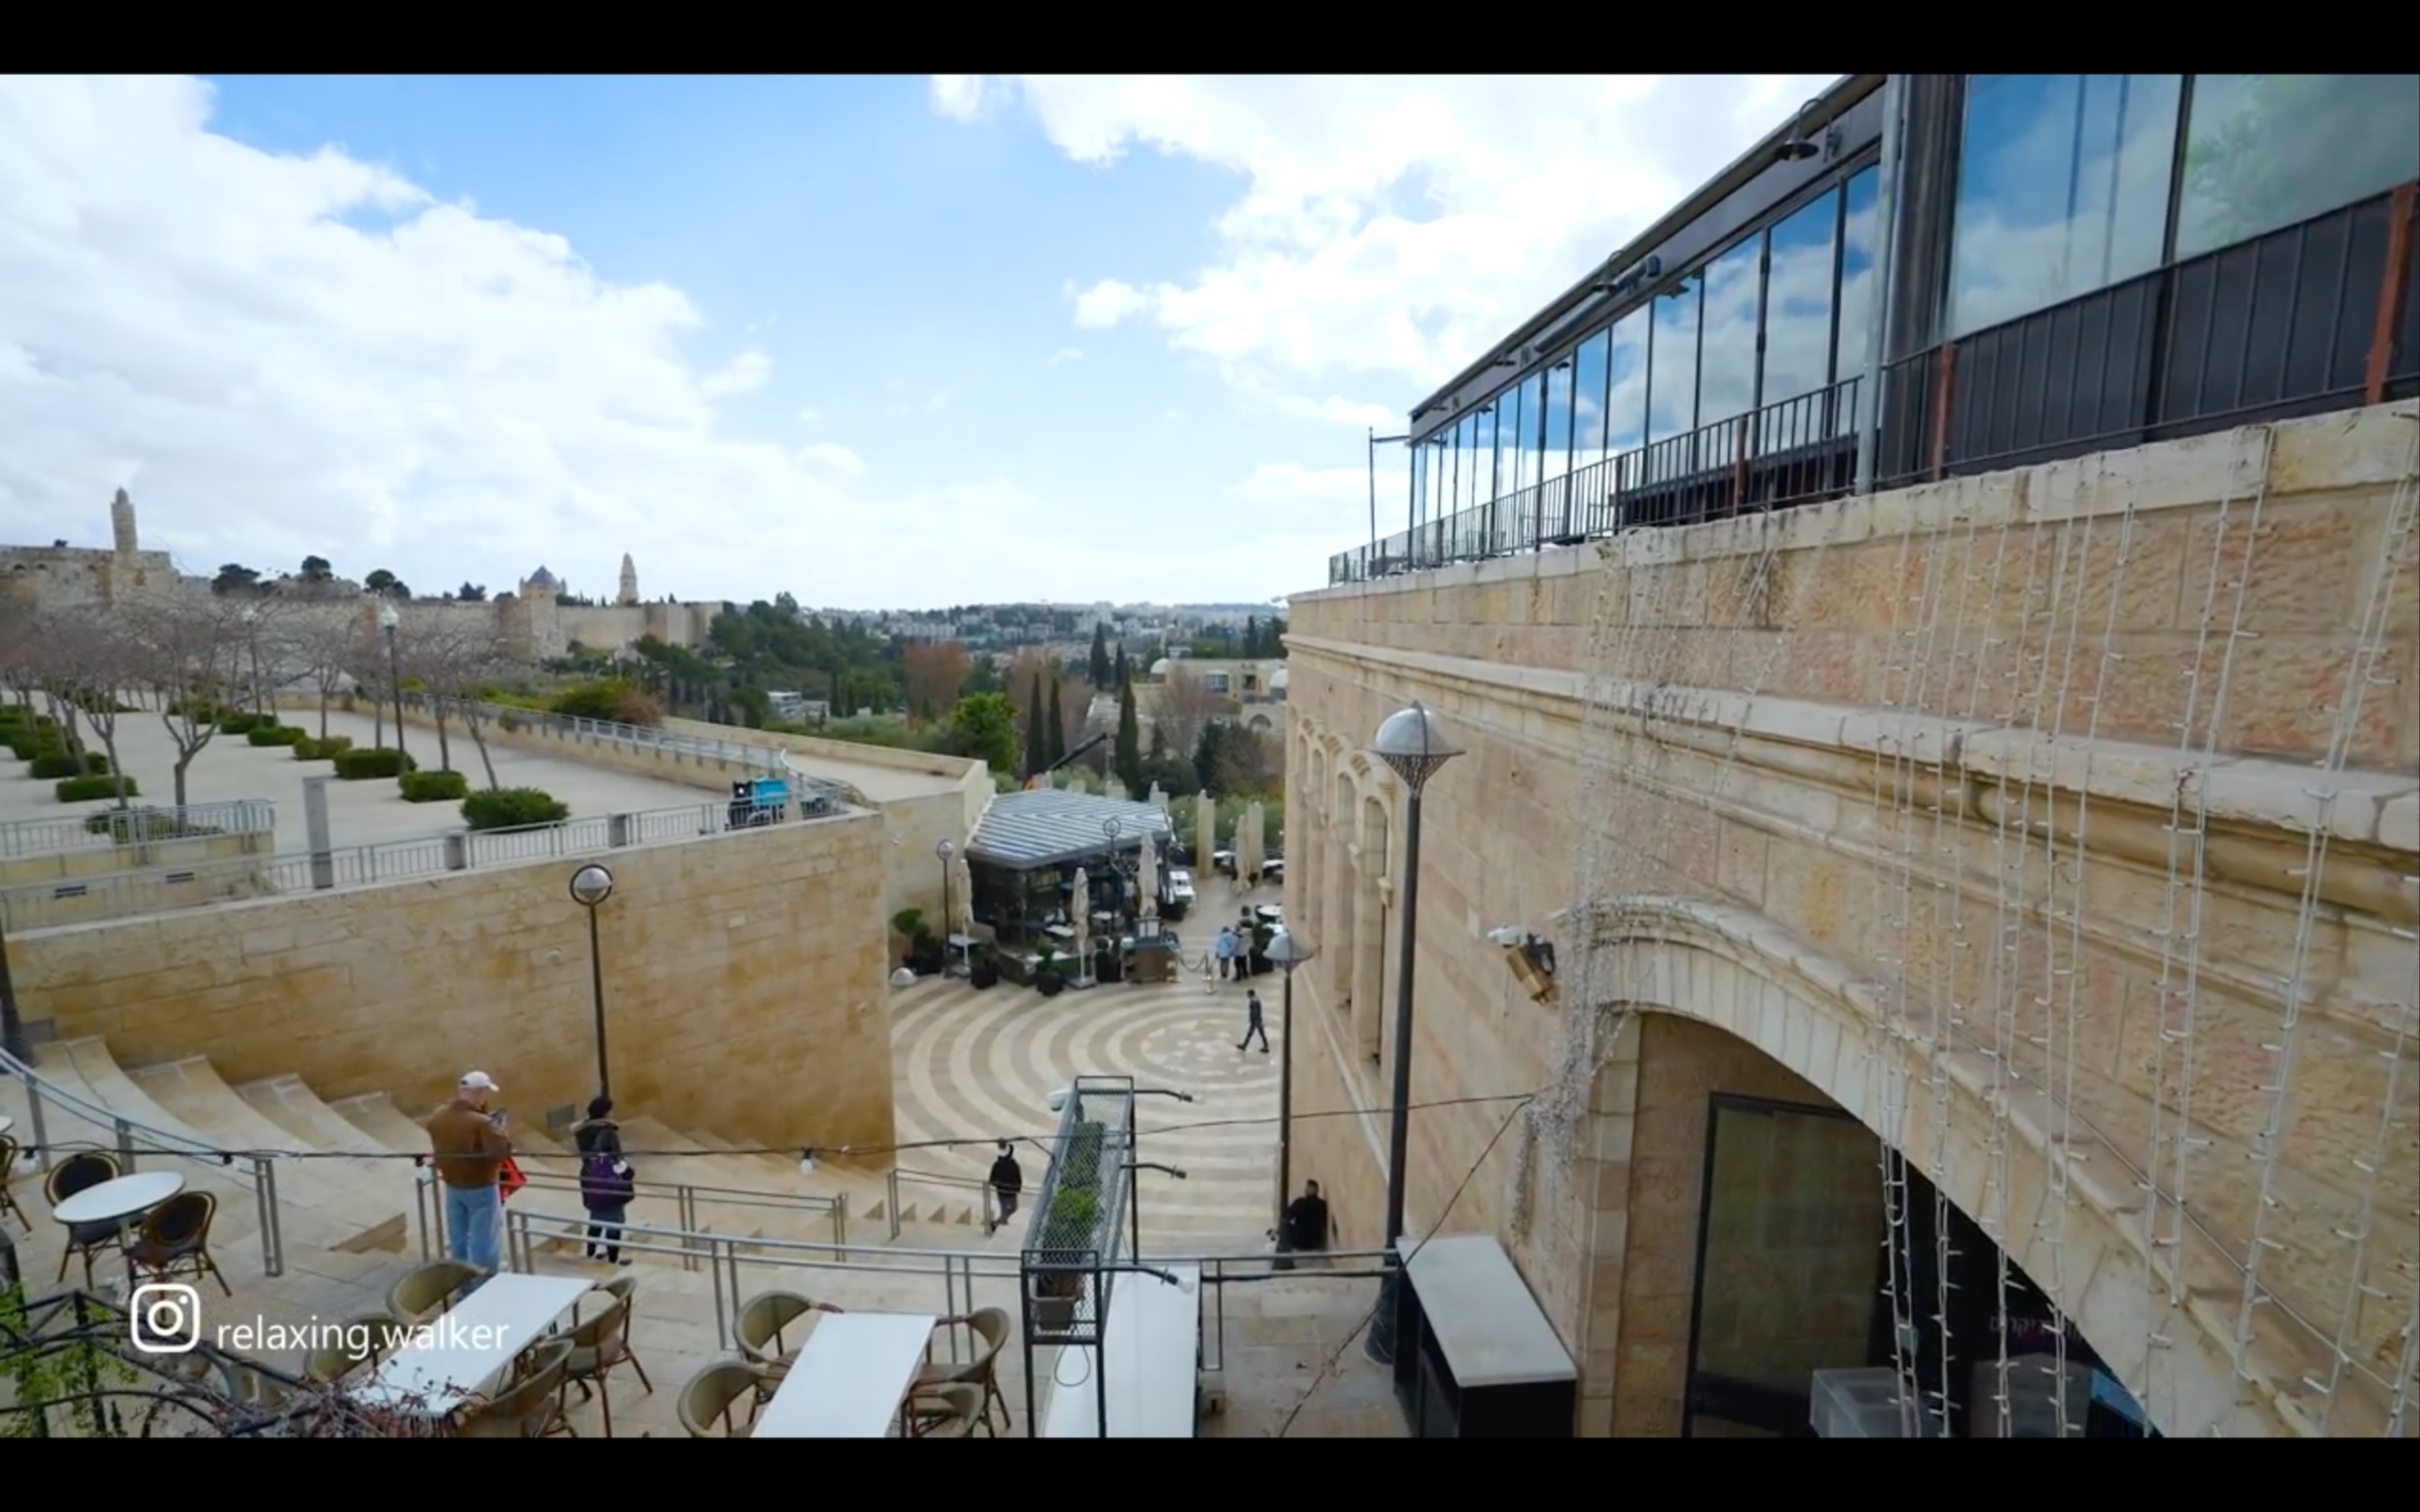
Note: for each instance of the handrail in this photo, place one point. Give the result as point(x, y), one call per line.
point(131, 1138)
point(430, 1212)
point(932, 1178)
point(24, 839)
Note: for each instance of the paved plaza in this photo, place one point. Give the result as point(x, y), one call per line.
point(359, 812)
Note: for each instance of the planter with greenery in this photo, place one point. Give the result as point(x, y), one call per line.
point(267, 735)
point(1051, 976)
point(327, 750)
point(919, 949)
point(375, 762)
point(144, 826)
point(1067, 1242)
point(52, 764)
point(433, 786)
point(88, 789)
point(511, 808)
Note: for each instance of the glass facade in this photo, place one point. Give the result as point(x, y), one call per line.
point(2055, 187)
point(2264, 150)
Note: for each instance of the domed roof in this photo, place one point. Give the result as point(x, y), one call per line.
point(541, 579)
point(1159, 668)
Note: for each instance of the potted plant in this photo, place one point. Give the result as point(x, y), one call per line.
point(1068, 1241)
point(982, 968)
point(1050, 977)
point(908, 925)
point(1107, 964)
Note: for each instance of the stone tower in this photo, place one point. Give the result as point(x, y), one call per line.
point(121, 523)
point(630, 594)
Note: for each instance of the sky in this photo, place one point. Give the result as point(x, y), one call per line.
point(899, 342)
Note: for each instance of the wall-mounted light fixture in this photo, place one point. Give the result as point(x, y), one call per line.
point(1798, 146)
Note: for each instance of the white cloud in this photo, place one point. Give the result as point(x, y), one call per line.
point(283, 355)
point(1292, 483)
point(1389, 228)
point(834, 458)
point(1064, 354)
point(744, 374)
point(812, 417)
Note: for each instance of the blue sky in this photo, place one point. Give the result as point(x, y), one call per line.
point(873, 341)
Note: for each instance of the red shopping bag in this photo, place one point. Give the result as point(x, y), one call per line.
point(508, 1179)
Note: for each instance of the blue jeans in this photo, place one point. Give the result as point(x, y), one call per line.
point(474, 1226)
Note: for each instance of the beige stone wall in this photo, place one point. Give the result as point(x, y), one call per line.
point(743, 985)
point(1996, 794)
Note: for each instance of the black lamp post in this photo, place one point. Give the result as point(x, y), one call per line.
point(1287, 950)
point(1413, 745)
point(943, 852)
point(591, 886)
point(388, 621)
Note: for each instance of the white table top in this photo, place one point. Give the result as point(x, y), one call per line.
point(459, 1353)
point(111, 1201)
point(848, 1381)
point(1154, 1344)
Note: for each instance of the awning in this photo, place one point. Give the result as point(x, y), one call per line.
point(1047, 827)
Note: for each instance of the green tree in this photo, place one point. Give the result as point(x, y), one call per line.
point(1055, 725)
point(1252, 635)
point(1101, 669)
point(1121, 671)
point(984, 726)
point(1127, 762)
point(1037, 733)
point(471, 592)
point(318, 570)
point(1209, 753)
point(385, 585)
point(235, 578)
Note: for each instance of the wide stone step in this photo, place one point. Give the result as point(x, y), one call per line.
point(285, 1102)
point(375, 1115)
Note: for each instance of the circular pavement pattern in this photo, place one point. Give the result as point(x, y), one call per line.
point(978, 1065)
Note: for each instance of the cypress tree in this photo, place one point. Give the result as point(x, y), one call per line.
point(1099, 666)
point(1037, 733)
point(1128, 760)
point(1055, 741)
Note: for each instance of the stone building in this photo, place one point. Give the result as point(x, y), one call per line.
point(1929, 885)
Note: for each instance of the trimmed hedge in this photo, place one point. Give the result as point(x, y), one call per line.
point(433, 786)
point(28, 744)
point(275, 735)
point(508, 808)
point(244, 723)
point(53, 762)
point(310, 750)
point(85, 790)
point(378, 761)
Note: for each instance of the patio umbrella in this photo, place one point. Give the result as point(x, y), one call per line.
point(1080, 906)
point(1205, 829)
point(1147, 884)
point(962, 896)
point(1249, 843)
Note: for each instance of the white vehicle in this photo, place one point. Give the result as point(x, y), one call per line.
point(1179, 894)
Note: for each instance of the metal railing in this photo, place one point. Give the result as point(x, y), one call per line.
point(131, 1141)
point(966, 1279)
point(688, 1199)
point(987, 1201)
point(104, 827)
point(123, 895)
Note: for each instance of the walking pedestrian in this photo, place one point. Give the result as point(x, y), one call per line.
point(1252, 1024)
point(469, 1147)
point(1007, 1182)
point(607, 1180)
point(1225, 950)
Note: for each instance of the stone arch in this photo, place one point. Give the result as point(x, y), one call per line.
point(1342, 887)
point(1373, 918)
point(1734, 971)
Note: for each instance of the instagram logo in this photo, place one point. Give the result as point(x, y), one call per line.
point(165, 1320)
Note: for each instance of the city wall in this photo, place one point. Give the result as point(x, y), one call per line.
point(1879, 785)
point(743, 986)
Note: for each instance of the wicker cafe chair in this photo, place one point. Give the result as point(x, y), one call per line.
point(706, 1401)
point(990, 1326)
point(532, 1407)
point(81, 1173)
point(946, 1412)
point(176, 1240)
point(426, 1290)
point(598, 1344)
point(763, 1323)
point(10, 1150)
point(361, 1341)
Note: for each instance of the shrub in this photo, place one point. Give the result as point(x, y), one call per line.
point(240, 723)
point(201, 711)
point(307, 749)
point(507, 808)
point(433, 786)
point(85, 790)
point(610, 698)
point(275, 735)
point(135, 826)
point(378, 761)
point(53, 762)
point(27, 745)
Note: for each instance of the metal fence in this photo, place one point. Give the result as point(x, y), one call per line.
point(770, 760)
point(123, 895)
point(134, 826)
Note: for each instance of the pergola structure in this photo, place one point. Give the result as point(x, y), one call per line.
point(1025, 851)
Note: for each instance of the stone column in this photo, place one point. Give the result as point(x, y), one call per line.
point(1370, 923)
point(315, 824)
point(1344, 890)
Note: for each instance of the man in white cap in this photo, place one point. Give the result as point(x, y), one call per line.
point(468, 1148)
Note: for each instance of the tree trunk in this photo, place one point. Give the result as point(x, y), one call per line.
point(378, 737)
point(184, 759)
point(479, 739)
point(117, 768)
point(324, 709)
point(445, 751)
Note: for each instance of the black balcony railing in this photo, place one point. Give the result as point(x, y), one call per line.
point(2316, 316)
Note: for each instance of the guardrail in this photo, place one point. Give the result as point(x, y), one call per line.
point(103, 827)
point(986, 1200)
point(132, 1141)
point(966, 1279)
point(122, 894)
point(430, 1208)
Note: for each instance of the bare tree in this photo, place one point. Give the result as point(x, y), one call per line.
point(91, 658)
point(454, 658)
point(317, 648)
point(190, 650)
point(1182, 705)
point(1247, 762)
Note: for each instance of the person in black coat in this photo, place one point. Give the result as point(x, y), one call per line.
point(606, 1181)
point(1007, 1181)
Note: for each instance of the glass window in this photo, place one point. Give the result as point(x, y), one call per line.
point(2062, 189)
point(1858, 240)
point(1479, 453)
point(1588, 402)
point(1625, 390)
point(1440, 450)
point(1420, 488)
point(2264, 150)
point(1558, 458)
point(1672, 363)
point(1508, 442)
point(1726, 350)
point(1798, 322)
point(1521, 444)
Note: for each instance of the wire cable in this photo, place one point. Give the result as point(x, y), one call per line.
point(1328, 1368)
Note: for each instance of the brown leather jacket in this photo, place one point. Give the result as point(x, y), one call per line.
point(466, 1148)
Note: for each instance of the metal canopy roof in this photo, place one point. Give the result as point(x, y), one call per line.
point(1047, 827)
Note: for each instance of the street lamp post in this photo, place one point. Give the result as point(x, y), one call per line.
point(1287, 950)
point(943, 852)
point(1413, 745)
point(388, 621)
point(591, 886)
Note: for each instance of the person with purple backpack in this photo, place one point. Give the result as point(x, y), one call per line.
point(606, 1181)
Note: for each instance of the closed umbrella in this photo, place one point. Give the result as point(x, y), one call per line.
point(1205, 830)
point(1249, 841)
point(1147, 884)
point(962, 897)
point(1080, 905)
